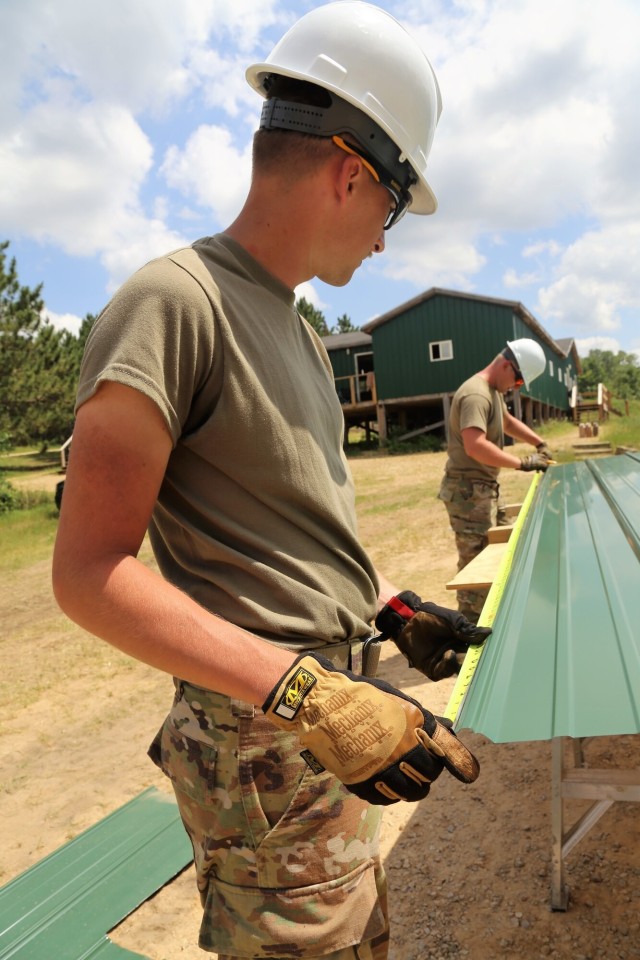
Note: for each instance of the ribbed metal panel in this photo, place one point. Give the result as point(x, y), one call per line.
point(63, 907)
point(564, 655)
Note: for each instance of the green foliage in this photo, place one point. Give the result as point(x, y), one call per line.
point(312, 316)
point(619, 372)
point(317, 319)
point(9, 496)
point(39, 365)
point(344, 325)
point(424, 443)
point(624, 431)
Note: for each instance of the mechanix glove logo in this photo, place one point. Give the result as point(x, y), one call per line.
point(294, 693)
point(383, 745)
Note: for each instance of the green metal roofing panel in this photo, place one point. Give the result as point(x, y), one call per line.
point(64, 906)
point(564, 655)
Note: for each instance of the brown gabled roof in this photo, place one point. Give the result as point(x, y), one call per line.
point(568, 344)
point(340, 341)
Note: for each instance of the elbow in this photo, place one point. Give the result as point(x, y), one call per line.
point(71, 582)
point(471, 450)
point(62, 583)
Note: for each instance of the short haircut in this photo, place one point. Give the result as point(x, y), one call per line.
point(288, 151)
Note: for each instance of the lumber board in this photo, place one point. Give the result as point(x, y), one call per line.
point(480, 573)
point(499, 534)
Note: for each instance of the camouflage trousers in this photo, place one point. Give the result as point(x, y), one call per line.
point(287, 861)
point(473, 506)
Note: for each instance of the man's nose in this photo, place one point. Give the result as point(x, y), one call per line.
point(378, 246)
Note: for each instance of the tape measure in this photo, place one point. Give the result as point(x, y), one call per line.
point(490, 608)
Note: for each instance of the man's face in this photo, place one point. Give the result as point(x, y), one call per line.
point(360, 232)
point(510, 377)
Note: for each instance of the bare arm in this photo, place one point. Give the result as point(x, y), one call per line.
point(120, 451)
point(479, 448)
point(386, 591)
point(520, 431)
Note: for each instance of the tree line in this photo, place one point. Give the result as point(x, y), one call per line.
point(39, 365)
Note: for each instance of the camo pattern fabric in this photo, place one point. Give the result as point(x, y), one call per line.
point(473, 506)
point(287, 861)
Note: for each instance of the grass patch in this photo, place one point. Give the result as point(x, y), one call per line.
point(27, 536)
point(624, 431)
point(21, 461)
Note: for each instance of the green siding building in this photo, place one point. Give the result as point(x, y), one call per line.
point(404, 366)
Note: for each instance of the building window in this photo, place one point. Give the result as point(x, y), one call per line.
point(559, 374)
point(441, 350)
point(550, 368)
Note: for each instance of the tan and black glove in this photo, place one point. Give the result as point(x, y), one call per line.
point(382, 745)
point(434, 639)
point(544, 450)
point(534, 461)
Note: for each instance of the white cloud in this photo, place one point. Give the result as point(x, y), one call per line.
point(79, 83)
point(142, 55)
point(71, 172)
point(63, 321)
point(550, 247)
point(535, 155)
point(427, 253)
point(586, 344)
point(512, 279)
point(597, 278)
point(139, 241)
point(211, 170)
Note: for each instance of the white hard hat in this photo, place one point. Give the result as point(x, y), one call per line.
point(529, 357)
point(363, 56)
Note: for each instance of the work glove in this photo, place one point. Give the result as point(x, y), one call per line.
point(433, 639)
point(382, 745)
point(544, 450)
point(534, 461)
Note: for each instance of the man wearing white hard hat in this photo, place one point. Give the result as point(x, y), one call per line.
point(207, 413)
point(478, 421)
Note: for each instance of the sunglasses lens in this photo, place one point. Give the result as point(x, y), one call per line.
point(402, 205)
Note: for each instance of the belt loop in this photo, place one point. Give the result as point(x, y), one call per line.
point(355, 657)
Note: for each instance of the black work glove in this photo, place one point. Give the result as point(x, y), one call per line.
point(534, 461)
point(382, 745)
point(433, 639)
point(543, 450)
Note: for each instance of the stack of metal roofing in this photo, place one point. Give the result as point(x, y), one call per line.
point(564, 655)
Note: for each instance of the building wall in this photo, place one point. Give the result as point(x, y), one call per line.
point(477, 331)
point(342, 361)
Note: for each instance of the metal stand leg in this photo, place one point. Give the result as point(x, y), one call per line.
point(579, 782)
point(559, 893)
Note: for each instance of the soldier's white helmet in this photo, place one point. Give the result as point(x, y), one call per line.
point(529, 357)
point(366, 60)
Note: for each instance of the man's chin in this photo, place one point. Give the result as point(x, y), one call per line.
point(339, 280)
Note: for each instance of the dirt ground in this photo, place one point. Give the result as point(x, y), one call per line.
point(469, 868)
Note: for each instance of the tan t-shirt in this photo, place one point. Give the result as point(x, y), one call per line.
point(255, 518)
point(475, 404)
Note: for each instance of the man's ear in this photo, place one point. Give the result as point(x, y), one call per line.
point(349, 175)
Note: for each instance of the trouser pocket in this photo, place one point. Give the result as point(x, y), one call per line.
point(274, 844)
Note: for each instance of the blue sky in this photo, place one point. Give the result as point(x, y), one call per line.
point(125, 131)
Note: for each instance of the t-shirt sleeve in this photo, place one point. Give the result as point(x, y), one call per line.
point(475, 411)
point(157, 335)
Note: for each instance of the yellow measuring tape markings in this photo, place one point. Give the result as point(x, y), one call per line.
point(490, 607)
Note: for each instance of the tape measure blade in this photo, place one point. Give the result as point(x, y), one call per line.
point(490, 609)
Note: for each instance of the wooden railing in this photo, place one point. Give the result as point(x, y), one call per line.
point(357, 388)
point(594, 404)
